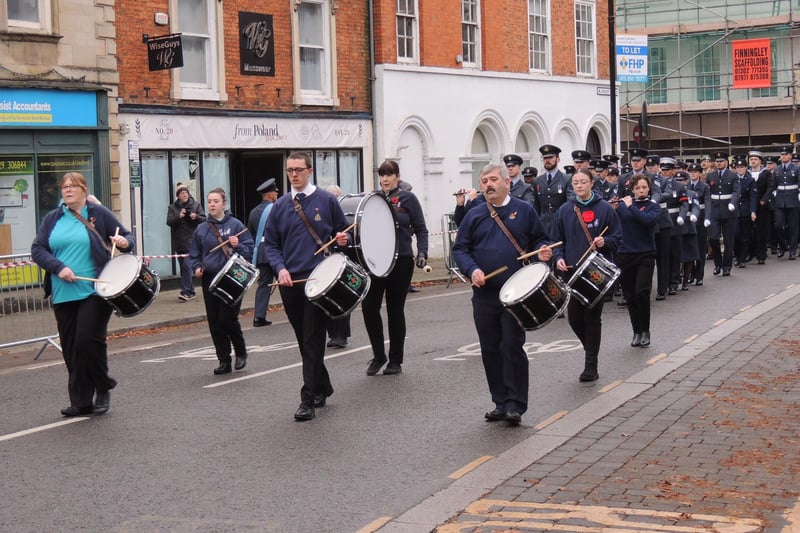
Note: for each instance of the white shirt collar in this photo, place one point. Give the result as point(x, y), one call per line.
point(308, 191)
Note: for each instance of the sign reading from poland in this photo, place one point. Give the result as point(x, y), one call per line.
point(752, 64)
point(165, 52)
point(632, 58)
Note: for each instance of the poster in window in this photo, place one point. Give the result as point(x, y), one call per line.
point(256, 44)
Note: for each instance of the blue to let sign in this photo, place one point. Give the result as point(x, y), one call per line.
point(632, 58)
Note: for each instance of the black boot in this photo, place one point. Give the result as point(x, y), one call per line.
point(223, 368)
point(645, 339)
point(590, 369)
point(637, 340)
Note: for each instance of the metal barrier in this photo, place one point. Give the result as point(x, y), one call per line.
point(26, 316)
point(449, 228)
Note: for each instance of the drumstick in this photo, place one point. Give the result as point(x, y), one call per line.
point(293, 281)
point(345, 230)
point(495, 272)
point(530, 254)
point(591, 247)
point(223, 243)
point(113, 243)
point(92, 279)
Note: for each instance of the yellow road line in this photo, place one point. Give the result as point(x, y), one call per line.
point(611, 385)
point(656, 359)
point(375, 525)
point(544, 423)
point(470, 467)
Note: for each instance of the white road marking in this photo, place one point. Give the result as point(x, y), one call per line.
point(42, 428)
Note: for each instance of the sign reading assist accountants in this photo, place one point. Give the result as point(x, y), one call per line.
point(256, 44)
point(47, 108)
point(165, 52)
point(752, 64)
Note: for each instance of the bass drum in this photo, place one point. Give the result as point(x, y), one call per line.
point(127, 285)
point(375, 234)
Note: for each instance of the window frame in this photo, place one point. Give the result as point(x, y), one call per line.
point(44, 25)
point(215, 71)
point(412, 21)
point(657, 93)
point(473, 58)
point(581, 58)
point(532, 34)
point(328, 95)
point(709, 80)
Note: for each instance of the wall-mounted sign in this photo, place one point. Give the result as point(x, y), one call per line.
point(256, 44)
point(164, 52)
point(47, 108)
point(752, 68)
point(632, 58)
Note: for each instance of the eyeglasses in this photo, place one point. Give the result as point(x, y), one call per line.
point(297, 170)
point(68, 187)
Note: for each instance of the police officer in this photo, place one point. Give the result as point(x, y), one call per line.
point(765, 186)
point(748, 200)
point(660, 191)
point(700, 193)
point(724, 186)
point(636, 157)
point(675, 201)
point(551, 188)
point(786, 203)
point(513, 163)
point(256, 223)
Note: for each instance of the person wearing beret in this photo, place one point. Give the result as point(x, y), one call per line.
point(183, 217)
point(724, 185)
point(765, 185)
point(256, 224)
point(786, 202)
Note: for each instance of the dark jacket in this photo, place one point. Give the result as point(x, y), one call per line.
point(183, 228)
point(204, 240)
point(639, 226)
point(410, 221)
point(260, 253)
point(104, 222)
point(724, 191)
point(598, 215)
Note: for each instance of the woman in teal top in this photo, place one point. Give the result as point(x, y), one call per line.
point(68, 249)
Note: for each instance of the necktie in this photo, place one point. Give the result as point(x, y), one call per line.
point(300, 196)
point(549, 179)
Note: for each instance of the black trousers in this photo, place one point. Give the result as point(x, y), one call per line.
point(744, 232)
point(786, 220)
point(502, 342)
point(702, 248)
point(763, 231)
point(725, 228)
point(263, 291)
point(587, 324)
point(223, 324)
point(637, 283)
point(338, 328)
point(308, 322)
point(675, 250)
point(82, 329)
point(395, 286)
point(663, 246)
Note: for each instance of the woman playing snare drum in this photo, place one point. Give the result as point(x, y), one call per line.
point(74, 241)
point(637, 254)
point(410, 222)
point(223, 319)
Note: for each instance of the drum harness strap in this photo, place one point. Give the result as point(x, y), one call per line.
point(299, 209)
point(496, 217)
point(225, 248)
point(583, 225)
point(91, 228)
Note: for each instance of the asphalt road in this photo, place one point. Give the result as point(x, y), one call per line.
point(183, 450)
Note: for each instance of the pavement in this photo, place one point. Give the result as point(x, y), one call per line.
point(705, 439)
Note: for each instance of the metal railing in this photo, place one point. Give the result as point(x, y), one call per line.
point(449, 228)
point(26, 316)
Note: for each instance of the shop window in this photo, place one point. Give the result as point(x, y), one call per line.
point(28, 15)
point(198, 23)
point(314, 32)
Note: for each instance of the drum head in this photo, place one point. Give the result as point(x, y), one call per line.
point(377, 234)
point(349, 204)
point(523, 282)
point(119, 273)
point(325, 275)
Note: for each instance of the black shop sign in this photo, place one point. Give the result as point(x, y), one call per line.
point(164, 52)
point(256, 44)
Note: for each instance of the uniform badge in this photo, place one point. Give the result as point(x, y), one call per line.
point(512, 216)
point(317, 218)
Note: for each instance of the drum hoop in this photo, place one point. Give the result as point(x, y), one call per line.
point(118, 259)
point(334, 279)
point(357, 233)
point(525, 296)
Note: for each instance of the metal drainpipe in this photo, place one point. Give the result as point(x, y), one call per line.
point(371, 14)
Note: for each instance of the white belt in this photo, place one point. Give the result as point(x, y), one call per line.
point(663, 204)
point(673, 209)
point(721, 196)
point(702, 206)
point(787, 187)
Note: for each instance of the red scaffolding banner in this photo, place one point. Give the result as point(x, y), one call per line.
point(752, 64)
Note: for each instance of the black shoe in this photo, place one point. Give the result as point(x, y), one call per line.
point(761, 261)
point(304, 412)
point(660, 297)
point(748, 258)
point(260, 322)
point(672, 291)
point(726, 272)
point(781, 253)
point(792, 257)
point(742, 265)
point(645, 339)
point(587, 376)
point(412, 288)
point(241, 362)
point(392, 368)
point(374, 366)
point(717, 270)
point(622, 302)
point(102, 403)
point(698, 283)
point(495, 415)
point(76, 411)
point(513, 418)
point(736, 262)
point(637, 340)
point(685, 286)
point(337, 342)
point(223, 368)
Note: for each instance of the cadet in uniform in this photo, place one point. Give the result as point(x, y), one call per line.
point(724, 189)
point(552, 188)
point(659, 189)
point(637, 159)
point(747, 212)
point(765, 186)
point(700, 193)
point(513, 163)
point(256, 224)
point(689, 253)
point(581, 159)
point(786, 203)
point(676, 202)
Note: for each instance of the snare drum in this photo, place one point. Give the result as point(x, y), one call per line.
point(592, 279)
point(230, 283)
point(127, 285)
point(375, 234)
point(534, 296)
point(337, 285)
